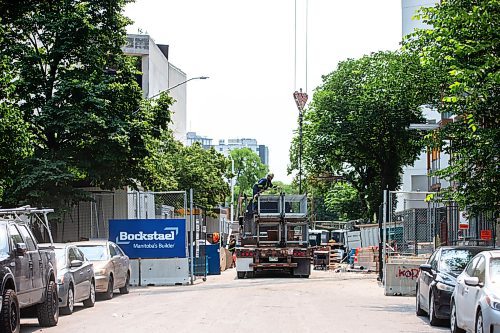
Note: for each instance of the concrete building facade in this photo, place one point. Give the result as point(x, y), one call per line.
point(192, 137)
point(158, 74)
point(415, 177)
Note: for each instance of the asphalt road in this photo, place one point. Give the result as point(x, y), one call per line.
point(326, 302)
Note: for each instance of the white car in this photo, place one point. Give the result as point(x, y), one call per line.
point(475, 303)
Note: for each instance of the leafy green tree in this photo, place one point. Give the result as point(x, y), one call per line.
point(14, 134)
point(280, 186)
point(248, 169)
point(463, 44)
point(205, 171)
point(77, 91)
point(158, 167)
point(356, 127)
point(343, 200)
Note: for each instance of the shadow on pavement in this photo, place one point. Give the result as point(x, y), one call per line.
point(398, 308)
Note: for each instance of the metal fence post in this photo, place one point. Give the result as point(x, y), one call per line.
point(191, 256)
point(384, 230)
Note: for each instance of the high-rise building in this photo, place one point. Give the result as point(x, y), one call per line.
point(192, 137)
point(224, 148)
point(261, 150)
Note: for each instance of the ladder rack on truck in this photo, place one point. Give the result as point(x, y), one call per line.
point(275, 237)
point(36, 218)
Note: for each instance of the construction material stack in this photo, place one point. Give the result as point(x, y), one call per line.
point(274, 237)
point(367, 258)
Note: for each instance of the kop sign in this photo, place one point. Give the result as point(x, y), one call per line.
point(300, 99)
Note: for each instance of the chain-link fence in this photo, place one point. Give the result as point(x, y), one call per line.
point(199, 241)
point(409, 228)
point(414, 226)
point(90, 219)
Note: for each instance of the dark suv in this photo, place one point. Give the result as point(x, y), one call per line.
point(27, 275)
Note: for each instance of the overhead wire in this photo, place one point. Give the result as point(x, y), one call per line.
point(295, 50)
point(307, 21)
point(306, 45)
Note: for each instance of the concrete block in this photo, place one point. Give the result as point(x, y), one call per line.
point(159, 272)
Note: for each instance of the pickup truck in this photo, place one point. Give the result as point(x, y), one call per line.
point(27, 275)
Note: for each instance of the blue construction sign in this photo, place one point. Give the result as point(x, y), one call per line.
point(150, 238)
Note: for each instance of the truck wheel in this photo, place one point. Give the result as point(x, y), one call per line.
point(89, 302)
point(70, 303)
point(124, 289)
point(241, 275)
point(48, 311)
point(9, 317)
point(109, 293)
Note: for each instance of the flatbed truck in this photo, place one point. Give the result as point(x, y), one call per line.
point(274, 237)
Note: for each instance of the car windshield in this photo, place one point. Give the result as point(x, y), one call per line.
point(455, 260)
point(60, 258)
point(94, 252)
point(495, 270)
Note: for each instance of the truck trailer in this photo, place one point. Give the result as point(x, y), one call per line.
point(274, 237)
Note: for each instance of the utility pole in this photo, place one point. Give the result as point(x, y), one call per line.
point(301, 100)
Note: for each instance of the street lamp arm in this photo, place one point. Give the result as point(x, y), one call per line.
point(193, 78)
point(170, 88)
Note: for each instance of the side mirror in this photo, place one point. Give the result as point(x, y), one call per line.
point(472, 281)
point(76, 263)
point(426, 268)
point(20, 249)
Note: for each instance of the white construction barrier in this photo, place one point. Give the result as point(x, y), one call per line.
point(159, 272)
point(401, 274)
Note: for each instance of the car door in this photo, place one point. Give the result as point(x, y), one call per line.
point(472, 293)
point(83, 272)
point(461, 306)
point(22, 268)
point(36, 260)
point(426, 279)
point(76, 272)
point(124, 261)
point(117, 264)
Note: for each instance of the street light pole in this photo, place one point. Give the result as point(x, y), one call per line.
point(183, 82)
point(300, 150)
point(301, 100)
point(175, 86)
point(232, 188)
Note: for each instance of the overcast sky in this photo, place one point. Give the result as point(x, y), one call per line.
point(246, 47)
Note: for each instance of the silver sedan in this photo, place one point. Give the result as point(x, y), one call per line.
point(475, 303)
point(75, 278)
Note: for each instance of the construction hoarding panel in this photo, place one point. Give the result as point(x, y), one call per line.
point(150, 238)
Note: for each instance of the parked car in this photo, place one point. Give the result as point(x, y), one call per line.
point(475, 303)
point(111, 266)
point(28, 276)
point(437, 279)
point(75, 278)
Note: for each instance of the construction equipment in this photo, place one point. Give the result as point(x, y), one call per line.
point(274, 237)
